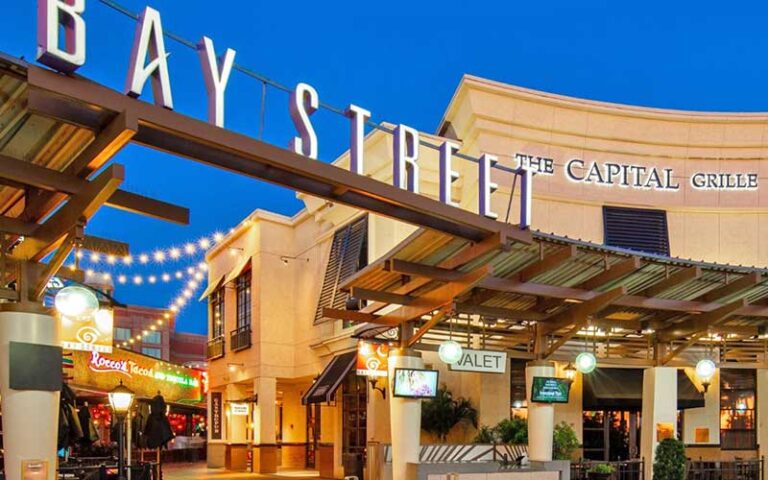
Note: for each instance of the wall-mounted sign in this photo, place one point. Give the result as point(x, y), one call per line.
point(372, 358)
point(216, 415)
point(635, 176)
point(483, 361)
point(238, 409)
point(144, 375)
point(90, 333)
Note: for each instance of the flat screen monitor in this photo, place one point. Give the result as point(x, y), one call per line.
point(415, 383)
point(550, 390)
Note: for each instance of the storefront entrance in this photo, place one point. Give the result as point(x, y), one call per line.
point(611, 435)
point(313, 434)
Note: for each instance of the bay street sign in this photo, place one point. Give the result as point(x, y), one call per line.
point(482, 361)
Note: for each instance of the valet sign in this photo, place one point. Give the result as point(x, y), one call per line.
point(482, 361)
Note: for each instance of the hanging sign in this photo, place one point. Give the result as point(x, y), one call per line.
point(238, 409)
point(372, 358)
point(216, 417)
point(482, 361)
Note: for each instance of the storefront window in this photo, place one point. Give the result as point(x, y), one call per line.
point(354, 408)
point(737, 409)
point(243, 285)
point(152, 352)
point(153, 337)
point(217, 313)
point(123, 334)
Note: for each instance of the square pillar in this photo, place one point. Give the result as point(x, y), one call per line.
point(541, 416)
point(264, 424)
point(762, 410)
point(659, 411)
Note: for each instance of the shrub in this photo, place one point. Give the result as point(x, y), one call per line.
point(602, 468)
point(670, 460)
point(512, 431)
point(486, 435)
point(564, 442)
point(440, 414)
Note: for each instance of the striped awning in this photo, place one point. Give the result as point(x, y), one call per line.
point(324, 388)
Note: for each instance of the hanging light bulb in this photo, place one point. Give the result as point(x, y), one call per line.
point(586, 362)
point(450, 352)
point(570, 372)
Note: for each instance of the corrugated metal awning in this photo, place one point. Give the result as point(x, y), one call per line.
point(325, 386)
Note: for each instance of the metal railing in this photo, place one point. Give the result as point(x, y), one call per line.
point(240, 339)
point(622, 469)
point(215, 348)
point(751, 469)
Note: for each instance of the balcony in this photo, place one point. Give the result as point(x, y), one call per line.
point(215, 348)
point(240, 339)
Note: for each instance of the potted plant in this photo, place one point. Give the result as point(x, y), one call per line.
point(440, 414)
point(600, 471)
point(485, 435)
point(670, 460)
point(512, 431)
point(564, 442)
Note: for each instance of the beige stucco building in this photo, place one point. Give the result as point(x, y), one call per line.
point(696, 178)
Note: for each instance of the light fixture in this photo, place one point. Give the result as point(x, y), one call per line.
point(75, 301)
point(586, 362)
point(705, 369)
point(570, 371)
point(121, 399)
point(234, 251)
point(233, 366)
point(450, 352)
point(374, 381)
point(287, 258)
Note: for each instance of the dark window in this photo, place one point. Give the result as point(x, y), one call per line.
point(122, 333)
point(354, 411)
point(636, 229)
point(217, 313)
point(243, 287)
point(737, 409)
point(349, 253)
point(152, 352)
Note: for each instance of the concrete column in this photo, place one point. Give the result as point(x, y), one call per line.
point(236, 431)
point(659, 410)
point(264, 422)
point(30, 417)
point(541, 416)
point(493, 400)
point(404, 416)
point(762, 410)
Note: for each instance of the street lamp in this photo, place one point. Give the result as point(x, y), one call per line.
point(121, 399)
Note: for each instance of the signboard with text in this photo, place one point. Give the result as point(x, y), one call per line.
point(216, 415)
point(372, 358)
point(482, 361)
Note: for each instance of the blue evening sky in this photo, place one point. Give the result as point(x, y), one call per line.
point(402, 61)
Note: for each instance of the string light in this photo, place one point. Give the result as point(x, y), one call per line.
point(159, 255)
point(194, 273)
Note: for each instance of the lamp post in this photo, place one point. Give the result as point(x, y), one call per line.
point(121, 399)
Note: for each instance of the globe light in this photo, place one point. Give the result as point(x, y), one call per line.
point(705, 369)
point(121, 399)
point(74, 301)
point(450, 352)
point(586, 362)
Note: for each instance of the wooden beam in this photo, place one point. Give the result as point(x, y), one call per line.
point(677, 278)
point(421, 270)
point(351, 315)
point(736, 286)
point(580, 323)
point(107, 143)
point(51, 180)
point(613, 273)
point(385, 297)
point(547, 263)
point(436, 299)
point(681, 348)
point(16, 226)
point(581, 311)
point(496, 312)
point(697, 323)
point(436, 318)
point(53, 266)
point(82, 206)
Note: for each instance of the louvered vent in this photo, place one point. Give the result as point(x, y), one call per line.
point(348, 255)
point(636, 229)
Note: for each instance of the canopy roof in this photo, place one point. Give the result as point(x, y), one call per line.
point(556, 296)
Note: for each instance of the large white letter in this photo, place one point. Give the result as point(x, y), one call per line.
point(358, 115)
point(303, 103)
point(487, 187)
point(406, 154)
point(216, 74)
point(447, 174)
point(526, 197)
point(149, 39)
point(50, 15)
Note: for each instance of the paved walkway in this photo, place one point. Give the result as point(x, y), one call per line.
point(198, 471)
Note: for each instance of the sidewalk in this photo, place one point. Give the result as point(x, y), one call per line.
point(199, 471)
